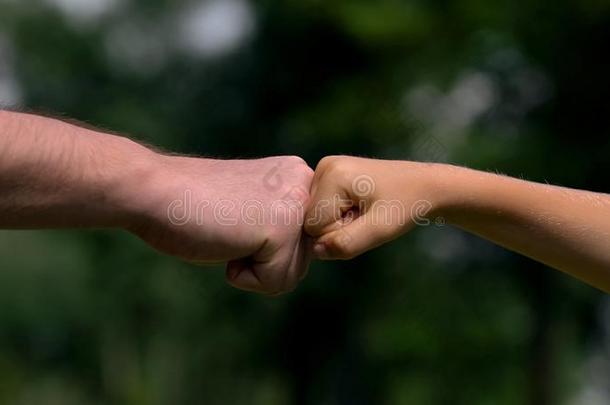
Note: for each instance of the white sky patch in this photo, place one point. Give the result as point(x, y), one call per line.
point(449, 115)
point(471, 96)
point(10, 91)
point(214, 28)
point(84, 11)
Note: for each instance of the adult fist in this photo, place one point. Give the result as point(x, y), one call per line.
point(248, 213)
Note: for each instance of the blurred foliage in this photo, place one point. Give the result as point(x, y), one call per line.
point(437, 317)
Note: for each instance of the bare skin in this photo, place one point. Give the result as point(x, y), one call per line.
point(566, 229)
point(245, 212)
point(249, 213)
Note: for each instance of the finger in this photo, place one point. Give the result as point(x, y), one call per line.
point(329, 201)
point(353, 239)
point(240, 274)
point(264, 273)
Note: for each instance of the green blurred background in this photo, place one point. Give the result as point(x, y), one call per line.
point(437, 317)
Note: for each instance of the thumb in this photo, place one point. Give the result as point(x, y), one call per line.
point(354, 238)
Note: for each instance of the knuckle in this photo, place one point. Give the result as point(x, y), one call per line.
point(300, 169)
point(337, 166)
point(308, 171)
point(296, 160)
point(326, 161)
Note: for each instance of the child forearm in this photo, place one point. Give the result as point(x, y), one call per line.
point(564, 228)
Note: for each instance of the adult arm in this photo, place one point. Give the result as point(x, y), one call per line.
point(248, 213)
point(57, 175)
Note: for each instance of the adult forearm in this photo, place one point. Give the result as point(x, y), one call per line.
point(564, 228)
point(53, 174)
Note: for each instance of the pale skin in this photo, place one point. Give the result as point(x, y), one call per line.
point(566, 229)
point(57, 175)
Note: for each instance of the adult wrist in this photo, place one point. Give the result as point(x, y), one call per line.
point(132, 182)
